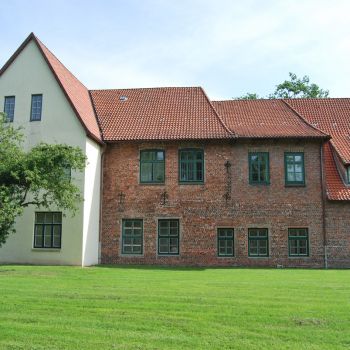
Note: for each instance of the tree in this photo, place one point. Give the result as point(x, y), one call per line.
point(249, 96)
point(293, 88)
point(36, 177)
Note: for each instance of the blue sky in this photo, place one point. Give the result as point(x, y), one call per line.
point(228, 47)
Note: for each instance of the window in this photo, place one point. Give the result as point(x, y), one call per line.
point(9, 108)
point(48, 230)
point(67, 173)
point(168, 237)
point(37, 103)
point(191, 165)
point(152, 166)
point(298, 242)
point(259, 172)
point(132, 236)
point(348, 174)
point(225, 242)
point(294, 168)
point(258, 242)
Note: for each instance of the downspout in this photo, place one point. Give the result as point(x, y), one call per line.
point(325, 241)
point(101, 202)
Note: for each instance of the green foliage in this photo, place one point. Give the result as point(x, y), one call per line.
point(36, 177)
point(149, 308)
point(293, 88)
point(248, 96)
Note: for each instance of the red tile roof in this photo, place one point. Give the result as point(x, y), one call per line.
point(157, 114)
point(264, 119)
point(335, 187)
point(76, 93)
point(331, 115)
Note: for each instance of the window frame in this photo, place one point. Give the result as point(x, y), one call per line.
point(250, 162)
point(348, 175)
point(294, 183)
point(225, 239)
point(259, 239)
point(191, 182)
point(152, 162)
point(296, 238)
point(43, 231)
point(31, 108)
point(10, 120)
point(169, 236)
point(134, 236)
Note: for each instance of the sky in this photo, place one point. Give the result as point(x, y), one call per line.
point(227, 47)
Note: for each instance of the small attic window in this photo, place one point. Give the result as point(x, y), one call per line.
point(348, 174)
point(123, 98)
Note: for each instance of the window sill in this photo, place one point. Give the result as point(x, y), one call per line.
point(298, 256)
point(295, 185)
point(259, 183)
point(125, 255)
point(226, 256)
point(161, 255)
point(46, 249)
point(152, 183)
point(191, 183)
point(258, 257)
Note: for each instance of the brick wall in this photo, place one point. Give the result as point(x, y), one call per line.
point(203, 208)
point(338, 233)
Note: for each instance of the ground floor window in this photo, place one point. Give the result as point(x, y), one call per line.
point(48, 230)
point(132, 236)
point(298, 242)
point(258, 242)
point(168, 237)
point(225, 242)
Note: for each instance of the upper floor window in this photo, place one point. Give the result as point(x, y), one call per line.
point(9, 108)
point(37, 104)
point(298, 242)
point(294, 168)
point(48, 230)
point(191, 165)
point(259, 168)
point(348, 174)
point(152, 166)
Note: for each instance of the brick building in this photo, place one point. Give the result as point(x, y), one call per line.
point(186, 180)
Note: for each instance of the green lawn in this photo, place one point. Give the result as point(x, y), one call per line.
point(168, 308)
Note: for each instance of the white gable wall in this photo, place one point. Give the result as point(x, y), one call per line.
point(29, 74)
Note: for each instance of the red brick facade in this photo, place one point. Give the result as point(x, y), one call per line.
point(225, 199)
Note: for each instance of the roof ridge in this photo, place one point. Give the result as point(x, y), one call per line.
point(148, 88)
point(303, 119)
point(41, 43)
point(231, 132)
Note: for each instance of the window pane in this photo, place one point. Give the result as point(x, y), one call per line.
point(40, 218)
point(158, 172)
point(56, 236)
point(48, 218)
point(146, 172)
point(47, 236)
point(57, 218)
point(160, 155)
point(163, 245)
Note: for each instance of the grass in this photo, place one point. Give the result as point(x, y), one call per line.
point(169, 308)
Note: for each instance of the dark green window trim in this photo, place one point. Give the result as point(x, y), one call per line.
point(152, 166)
point(298, 242)
point(259, 168)
point(294, 168)
point(36, 107)
point(48, 230)
point(258, 242)
point(132, 236)
point(348, 174)
point(9, 108)
point(191, 166)
point(226, 245)
point(168, 236)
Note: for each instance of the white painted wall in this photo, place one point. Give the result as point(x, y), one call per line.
point(27, 75)
point(91, 204)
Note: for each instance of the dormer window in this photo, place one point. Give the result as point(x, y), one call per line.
point(348, 174)
point(37, 104)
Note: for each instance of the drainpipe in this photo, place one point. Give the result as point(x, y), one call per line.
point(101, 202)
point(323, 187)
